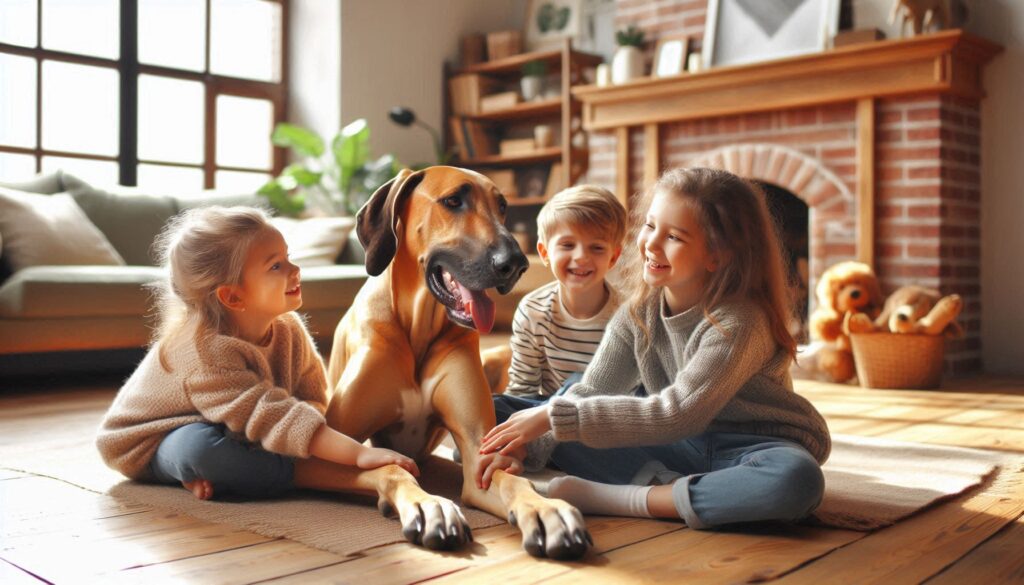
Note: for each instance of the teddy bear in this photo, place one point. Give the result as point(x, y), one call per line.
point(914, 309)
point(844, 290)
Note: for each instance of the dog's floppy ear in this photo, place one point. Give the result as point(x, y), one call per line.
point(375, 222)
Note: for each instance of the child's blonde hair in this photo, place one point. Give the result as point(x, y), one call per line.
point(201, 249)
point(739, 228)
point(588, 206)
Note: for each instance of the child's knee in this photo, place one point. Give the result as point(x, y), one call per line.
point(801, 486)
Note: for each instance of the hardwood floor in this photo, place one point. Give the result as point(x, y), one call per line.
point(56, 532)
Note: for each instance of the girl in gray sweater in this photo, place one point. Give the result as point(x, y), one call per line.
point(715, 434)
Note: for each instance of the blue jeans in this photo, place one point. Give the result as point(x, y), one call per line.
point(719, 478)
point(204, 451)
point(505, 405)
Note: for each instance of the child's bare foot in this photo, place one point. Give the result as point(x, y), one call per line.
point(200, 488)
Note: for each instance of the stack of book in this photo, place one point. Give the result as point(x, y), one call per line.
point(471, 138)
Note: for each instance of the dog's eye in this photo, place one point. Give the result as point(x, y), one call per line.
point(502, 206)
point(452, 201)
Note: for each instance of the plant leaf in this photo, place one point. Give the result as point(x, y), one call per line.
point(351, 149)
point(303, 141)
point(278, 197)
point(302, 175)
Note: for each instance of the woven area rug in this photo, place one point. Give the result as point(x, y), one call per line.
point(870, 483)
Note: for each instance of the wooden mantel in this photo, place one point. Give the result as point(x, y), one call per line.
point(944, 63)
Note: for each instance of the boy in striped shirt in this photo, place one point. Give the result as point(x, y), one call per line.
point(557, 327)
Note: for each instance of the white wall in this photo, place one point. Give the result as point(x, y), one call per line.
point(392, 53)
point(314, 63)
point(1002, 182)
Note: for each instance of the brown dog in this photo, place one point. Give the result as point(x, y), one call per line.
point(405, 366)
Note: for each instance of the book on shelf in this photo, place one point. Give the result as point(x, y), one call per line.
point(467, 90)
point(471, 137)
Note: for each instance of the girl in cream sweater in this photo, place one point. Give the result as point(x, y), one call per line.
point(231, 396)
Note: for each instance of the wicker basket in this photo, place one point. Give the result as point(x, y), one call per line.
point(898, 360)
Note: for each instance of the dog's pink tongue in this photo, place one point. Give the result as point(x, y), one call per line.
point(480, 306)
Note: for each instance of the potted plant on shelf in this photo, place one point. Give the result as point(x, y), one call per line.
point(628, 62)
point(532, 83)
point(337, 183)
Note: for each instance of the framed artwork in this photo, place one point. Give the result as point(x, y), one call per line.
point(532, 181)
point(747, 31)
point(670, 55)
point(549, 22)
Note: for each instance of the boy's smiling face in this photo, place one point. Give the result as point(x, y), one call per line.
point(579, 258)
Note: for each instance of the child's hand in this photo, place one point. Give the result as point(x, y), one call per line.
point(374, 457)
point(489, 463)
point(521, 428)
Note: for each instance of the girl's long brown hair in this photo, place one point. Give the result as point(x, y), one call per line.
point(739, 229)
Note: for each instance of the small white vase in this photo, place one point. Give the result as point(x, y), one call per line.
point(628, 63)
point(531, 87)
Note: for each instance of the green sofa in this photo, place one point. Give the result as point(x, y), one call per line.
point(47, 309)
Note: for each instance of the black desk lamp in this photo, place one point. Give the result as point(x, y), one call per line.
point(405, 117)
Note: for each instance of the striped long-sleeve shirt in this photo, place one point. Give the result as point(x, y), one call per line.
point(549, 344)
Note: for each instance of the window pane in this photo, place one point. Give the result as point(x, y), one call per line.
point(18, 22)
point(80, 108)
point(101, 173)
point(243, 132)
point(171, 115)
point(237, 181)
point(17, 167)
point(169, 180)
point(172, 33)
point(245, 39)
point(86, 27)
point(17, 101)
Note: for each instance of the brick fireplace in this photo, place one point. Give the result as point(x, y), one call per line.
point(881, 142)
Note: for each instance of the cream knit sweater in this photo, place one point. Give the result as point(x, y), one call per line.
point(274, 395)
point(731, 378)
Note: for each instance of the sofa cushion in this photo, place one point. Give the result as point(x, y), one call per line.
point(314, 241)
point(131, 221)
point(50, 229)
point(77, 291)
point(47, 184)
point(325, 287)
point(207, 198)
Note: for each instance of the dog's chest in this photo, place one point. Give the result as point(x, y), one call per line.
point(417, 422)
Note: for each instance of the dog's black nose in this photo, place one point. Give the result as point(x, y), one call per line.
point(902, 317)
point(855, 294)
point(509, 264)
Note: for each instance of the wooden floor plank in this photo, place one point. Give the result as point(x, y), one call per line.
point(999, 559)
point(11, 575)
point(403, 563)
point(246, 564)
point(917, 548)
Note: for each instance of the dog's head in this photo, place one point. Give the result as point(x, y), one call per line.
point(452, 221)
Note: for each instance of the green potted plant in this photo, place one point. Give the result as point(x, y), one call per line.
point(628, 62)
point(335, 182)
point(533, 79)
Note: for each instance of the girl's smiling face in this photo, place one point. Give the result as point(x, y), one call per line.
point(270, 282)
point(674, 250)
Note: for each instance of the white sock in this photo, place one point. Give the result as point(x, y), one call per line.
point(592, 497)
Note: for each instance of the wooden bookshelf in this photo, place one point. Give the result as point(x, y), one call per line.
point(523, 111)
point(511, 65)
point(542, 155)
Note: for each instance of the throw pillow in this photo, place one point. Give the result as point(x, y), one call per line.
point(316, 241)
point(50, 230)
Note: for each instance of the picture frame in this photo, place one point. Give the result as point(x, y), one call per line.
point(747, 31)
point(670, 55)
point(549, 22)
point(532, 181)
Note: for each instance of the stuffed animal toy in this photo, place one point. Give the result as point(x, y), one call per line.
point(923, 14)
point(914, 309)
point(846, 289)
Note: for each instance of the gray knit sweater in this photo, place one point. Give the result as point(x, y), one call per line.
point(700, 377)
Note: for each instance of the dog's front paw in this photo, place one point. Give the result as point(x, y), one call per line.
point(434, 522)
point(551, 528)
